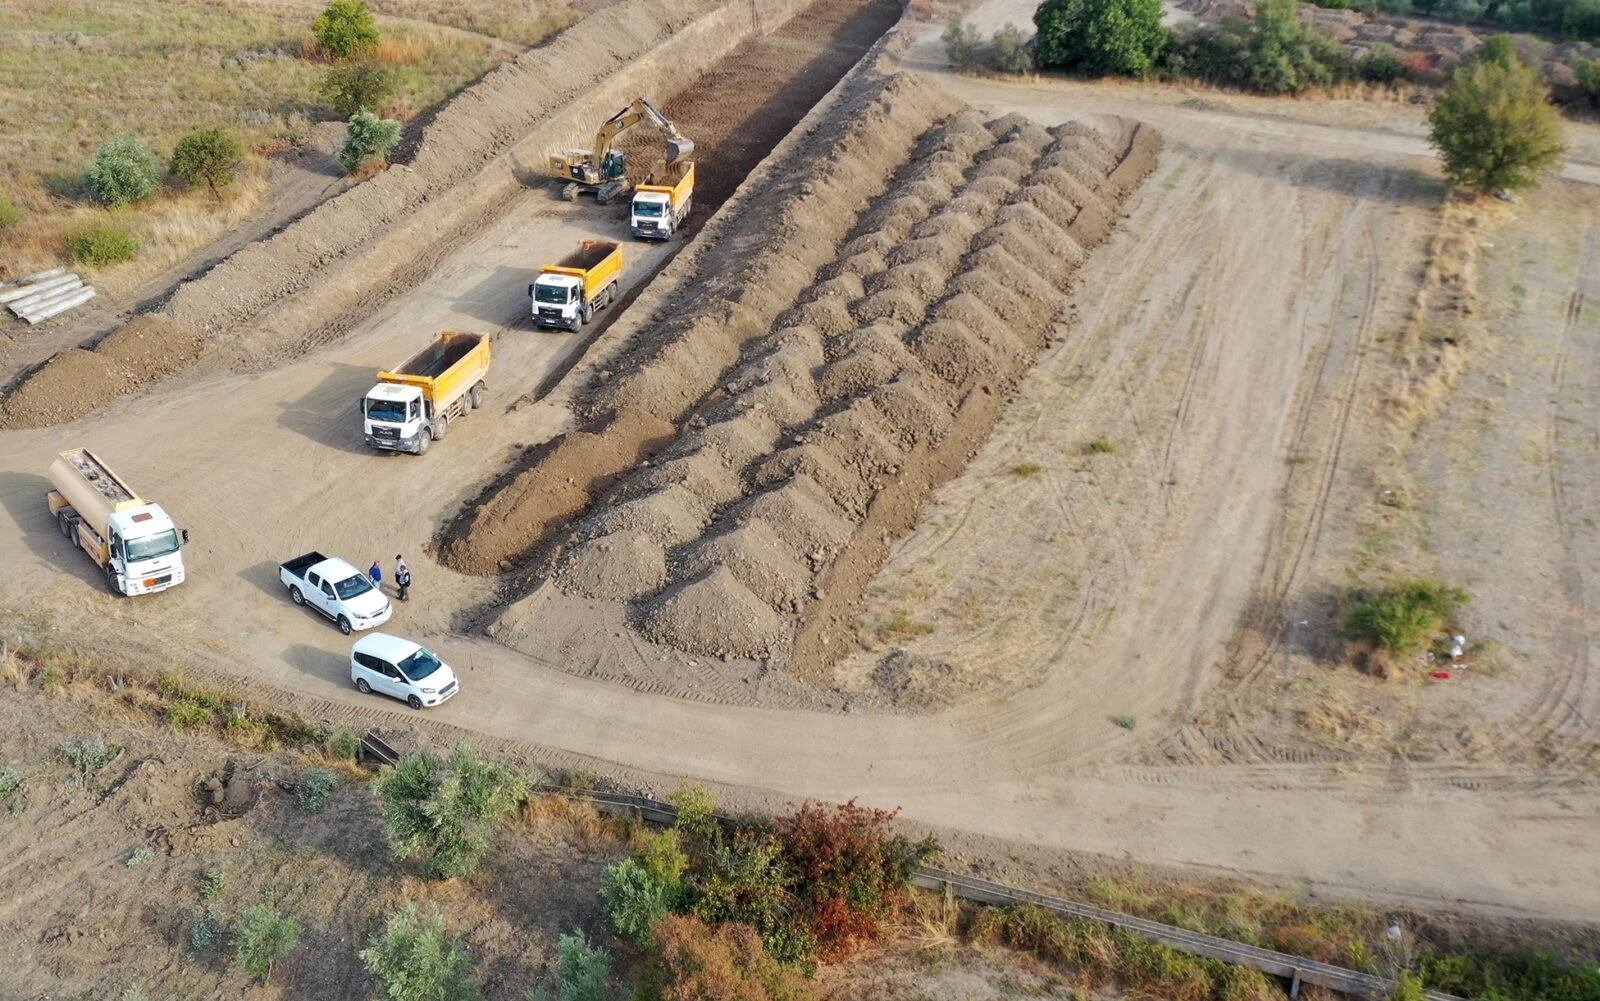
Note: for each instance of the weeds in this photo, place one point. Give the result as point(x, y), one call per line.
point(10, 215)
point(315, 790)
point(901, 626)
point(1125, 722)
point(207, 929)
point(88, 755)
point(10, 782)
point(139, 856)
point(1099, 446)
point(1026, 469)
point(187, 714)
point(211, 883)
point(1404, 617)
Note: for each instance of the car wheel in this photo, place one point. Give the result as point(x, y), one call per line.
point(414, 702)
point(363, 687)
point(344, 625)
point(296, 597)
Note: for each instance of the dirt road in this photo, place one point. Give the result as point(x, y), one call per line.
point(1220, 331)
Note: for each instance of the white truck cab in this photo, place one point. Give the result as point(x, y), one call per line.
point(558, 301)
point(652, 214)
point(394, 415)
point(144, 550)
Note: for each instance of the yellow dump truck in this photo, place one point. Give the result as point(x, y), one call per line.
point(412, 406)
point(568, 293)
point(663, 201)
point(132, 540)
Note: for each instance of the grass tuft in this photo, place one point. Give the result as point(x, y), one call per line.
point(1099, 446)
point(1026, 469)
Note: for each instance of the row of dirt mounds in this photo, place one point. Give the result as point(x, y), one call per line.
point(746, 268)
point(856, 362)
point(351, 252)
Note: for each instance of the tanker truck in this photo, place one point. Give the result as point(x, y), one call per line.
point(130, 539)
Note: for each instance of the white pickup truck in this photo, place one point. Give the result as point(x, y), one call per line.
point(337, 590)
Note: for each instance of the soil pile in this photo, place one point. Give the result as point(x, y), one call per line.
point(77, 381)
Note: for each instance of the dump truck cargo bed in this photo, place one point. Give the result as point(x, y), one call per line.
point(446, 368)
point(589, 254)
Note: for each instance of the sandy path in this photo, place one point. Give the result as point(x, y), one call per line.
point(263, 467)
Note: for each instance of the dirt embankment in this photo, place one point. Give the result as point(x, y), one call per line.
point(354, 251)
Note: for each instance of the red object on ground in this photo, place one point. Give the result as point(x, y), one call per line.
point(1441, 675)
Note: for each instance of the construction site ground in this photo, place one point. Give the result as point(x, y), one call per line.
point(1126, 645)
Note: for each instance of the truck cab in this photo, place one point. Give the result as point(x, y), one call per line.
point(142, 551)
point(396, 416)
point(652, 215)
point(558, 302)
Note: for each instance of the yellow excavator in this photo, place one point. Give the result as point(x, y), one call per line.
point(602, 169)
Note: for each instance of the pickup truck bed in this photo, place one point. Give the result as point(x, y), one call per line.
point(300, 564)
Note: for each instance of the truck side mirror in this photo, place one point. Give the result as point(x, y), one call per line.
point(530, 291)
point(183, 533)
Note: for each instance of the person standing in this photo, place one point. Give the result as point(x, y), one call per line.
point(402, 577)
point(376, 573)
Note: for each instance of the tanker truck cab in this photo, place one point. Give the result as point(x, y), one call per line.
point(396, 417)
point(144, 550)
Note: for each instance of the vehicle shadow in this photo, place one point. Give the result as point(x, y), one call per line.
point(22, 496)
point(318, 663)
point(264, 576)
point(329, 414)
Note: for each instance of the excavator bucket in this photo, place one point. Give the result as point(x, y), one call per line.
point(679, 148)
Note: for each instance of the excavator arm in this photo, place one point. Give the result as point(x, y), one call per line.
point(640, 110)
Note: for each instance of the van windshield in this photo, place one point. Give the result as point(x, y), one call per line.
point(419, 665)
point(556, 295)
point(151, 546)
point(387, 410)
point(352, 586)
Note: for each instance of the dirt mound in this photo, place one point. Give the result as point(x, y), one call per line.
point(739, 440)
point(954, 353)
point(757, 558)
point(802, 514)
point(66, 387)
point(704, 474)
point(623, 565)
point(671, 516)
point(714, 615)
point(845, 484)
point(896, 304)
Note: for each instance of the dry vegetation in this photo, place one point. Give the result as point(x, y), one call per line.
point(76, 74)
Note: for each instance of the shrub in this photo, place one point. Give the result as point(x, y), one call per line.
point(1588, 73)
point(1581, 22)
point(1287, 55)
point(691, 961)
point(1498, 49)
point(343, 745)
point(584, 972)
point(261, 938)
point(1099, 446)
point(1379, 64)
point(346, 28)
point(1011, 54)
point(1099, 37)
point(356, 86)
point(10, 782)
point(367, 136)
point(139, 856)
point(100, 245)
point(744, 879)
point(1408, 988)
point(1403, 617)
point(661, 855)
point(210, 156)
point(315, 790)
point(123, 170)
point(960, 42)
point(211, 883)
point(10, 215)
point(207, 929)
point(187, 714)
point(414, 959)
point(445, 812)
point(635, 900)
point(1494, 127)
point(848, 871)
point(88, 755)
point(697, 813)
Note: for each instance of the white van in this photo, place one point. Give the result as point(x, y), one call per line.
point(401, 669)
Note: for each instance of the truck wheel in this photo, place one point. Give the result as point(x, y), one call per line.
point(585, 314)
point(423, 441)
point(363, 687)
point(441, 429)
point(476, 396)
point(65, 524)
point(296, 597)
point(344, 625)
point(111, 581)
point(414, 702)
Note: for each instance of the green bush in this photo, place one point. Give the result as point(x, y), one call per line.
point(10, 782)
point(1274, 53)
point(346, 28)
point(123, 170)
point(1379, 64)
point(88, 755)
point(1588, 73)
point(100, 245)
point(1581, 22)
point(209, 156)
point(342, 745)
point(354, 87)
point(1011, 54)
point(207, 929)
point(960, 42)
point(414, 959)
point(1498, 49)
point(584, 972)
point(261, 938)
point(634, 900)
point(367, 136)
point(211, 883)
point(187, 714)
point(444, 812)
point(10, 215)
point(1099, 37)
point(697, 813)
point(139, 856)
point(1403, 617)
point(661, 854)
point(1528, 975)
point(1494, 127)
point(315, 790)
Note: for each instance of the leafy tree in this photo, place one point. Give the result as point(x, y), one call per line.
point(961, 42)
point(1581, 21)
point(1011, 53)
point(209, 155)
point(1495, 128)
point(662, 856)
point(1380, 64)
point(1099, 37)
point(634, 900)
point(1287, 55)
point(346, 28)
point(414, 959)
point(445, 812)
point(1498, 49)
point(367, 135)
point(261, 938)
point(353, 87)
point(123, 170)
